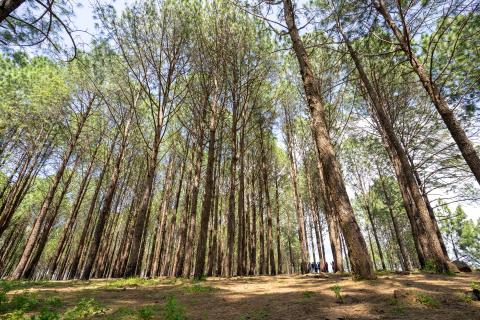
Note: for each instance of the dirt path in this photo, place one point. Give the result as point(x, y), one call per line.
point(415, 296)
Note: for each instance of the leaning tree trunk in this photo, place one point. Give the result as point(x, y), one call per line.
point(435, 251)
point(297, 200)
point(361, 263)
point(39, 221)
point(105, 210)
point(464, 144)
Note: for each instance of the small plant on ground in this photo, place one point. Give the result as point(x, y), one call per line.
point(198, 288)
point(430, 266)
point(308, 294)
point(46, 314)
point(398, 310)
point(475, 285)
point(85, 308)
point(146, 312)
point(336, 289)
point(174, 310)
point(131, 282)
point(426, 300)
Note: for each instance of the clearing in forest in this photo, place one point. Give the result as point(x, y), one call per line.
point(392, 296)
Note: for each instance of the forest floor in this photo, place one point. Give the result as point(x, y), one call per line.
point(324, 296)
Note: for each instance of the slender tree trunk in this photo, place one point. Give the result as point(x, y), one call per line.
point(106, 207)
point(253, 232)
point(241, 269)
point(298, 204)
point(407, 264)
point(464, 144)
point(270, 247)
point(180, 252)
point(190, 243)
point(39, 221)
point(277, 209)
point(207, 199)
point(434, 252)
point(231, 199)
point(359, 258)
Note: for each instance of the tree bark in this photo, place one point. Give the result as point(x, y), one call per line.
point(435, 251)
point(464, 144)
point(7, 7)
point(360, 260)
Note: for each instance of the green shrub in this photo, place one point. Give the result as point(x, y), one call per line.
point(174, 310)
point(85, 308)
point(426, 300)
point(25, 302)
point(336, 289)
point(475, 285)
point(197, 288)
point(46, 314)
point(146, 312)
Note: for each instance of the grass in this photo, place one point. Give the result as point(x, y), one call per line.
point(84, 309)
point(308, 294)
point(146, 312)
point(198, 288)
point(427, 300)
point(131, 282)
point(174, 310)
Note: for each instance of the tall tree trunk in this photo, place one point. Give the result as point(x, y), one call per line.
point(277, 209)
point(207, 199)
point(407, 264)
point(107, 205)
point(67, 231)
point(50, 219)
point(434, 253)
point(298, 205)
point(232, 188)
point(359, 258)
point(136, 254)
point(253, 232)
point(464, 144)
point(180, 252)
point(241, 269)
point(190, 241)
point(84, 235)
point(270, 247)
point(39, 221)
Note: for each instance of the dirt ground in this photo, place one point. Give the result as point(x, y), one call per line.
point(413, 296)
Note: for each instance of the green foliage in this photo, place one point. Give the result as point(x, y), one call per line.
point(427, 300)
point(430, 266)
point(463, 234)
point(46, 314)
point(475, 285)
point(198, 288)
point(131, 282)
point(336, 289)
point(174, 310)
point(308, 294)
point(85, 308)
point(18, 304)
point(146, 312)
